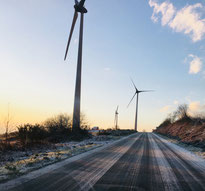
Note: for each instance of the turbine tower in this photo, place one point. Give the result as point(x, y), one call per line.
point(137, 92)
point(79, 8)
point(116, 118)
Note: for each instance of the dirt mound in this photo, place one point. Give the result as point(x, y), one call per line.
point(189, 131)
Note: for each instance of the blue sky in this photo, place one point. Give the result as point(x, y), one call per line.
point(160, 44)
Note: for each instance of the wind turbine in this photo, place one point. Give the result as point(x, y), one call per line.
point(137, 92)
point(116, 118)
point(79, 8)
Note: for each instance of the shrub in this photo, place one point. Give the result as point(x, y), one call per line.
point(54, 129)
point(23, 133)
point(81, 134)
point(31, 133)
point(58, 127)
point(182, 112)
point(37, 133)
point(166, 122)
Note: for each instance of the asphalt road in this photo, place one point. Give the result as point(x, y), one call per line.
point(143, 161)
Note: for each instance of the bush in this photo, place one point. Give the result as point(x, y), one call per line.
point(182, 112)
point(3, 146)
point(58, 127)
point(31, 133)
point(80, 134)
point(55, 129)
point(166, 122)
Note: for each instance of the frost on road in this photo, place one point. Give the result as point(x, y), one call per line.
point(143, 161)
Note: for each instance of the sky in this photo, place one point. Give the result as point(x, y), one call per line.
point(160, 44)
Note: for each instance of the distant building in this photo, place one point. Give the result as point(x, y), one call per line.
point(95, 128)
point(94, 131)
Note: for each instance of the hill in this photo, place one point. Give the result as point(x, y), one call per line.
point(183, 127)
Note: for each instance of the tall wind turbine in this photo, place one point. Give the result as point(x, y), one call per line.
point(79, 8)
point(137, 92)
point(116, 118)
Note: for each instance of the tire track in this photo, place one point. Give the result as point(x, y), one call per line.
point(168, 177)
point(141, 162)
point(149, 177)
point(81, 174)
point(123, 173)
point(188, 177)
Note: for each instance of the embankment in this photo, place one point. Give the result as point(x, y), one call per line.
point(189, 131)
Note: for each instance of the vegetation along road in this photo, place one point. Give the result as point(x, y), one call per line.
point(143, 161)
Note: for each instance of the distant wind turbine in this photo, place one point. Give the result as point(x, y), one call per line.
point(137, 92)
point(79, 8)
point(116, 118)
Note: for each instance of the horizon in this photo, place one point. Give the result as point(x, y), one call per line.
point(148, 41)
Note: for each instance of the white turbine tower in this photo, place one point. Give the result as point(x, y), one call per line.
point(116, 118)
point(79, 8)
point(137, 92)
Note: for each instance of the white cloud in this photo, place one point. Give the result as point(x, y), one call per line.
point(166, 9)
point(186, 20)
point(196, 107)
point(176, 102)
point(165, 108)
point(195, 64)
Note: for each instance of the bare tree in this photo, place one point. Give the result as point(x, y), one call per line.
point(7, 125)
point(84, 122)
point(182, 111)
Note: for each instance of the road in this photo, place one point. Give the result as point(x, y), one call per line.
point(143, 161)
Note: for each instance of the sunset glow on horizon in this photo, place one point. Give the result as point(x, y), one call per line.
point(148, 41)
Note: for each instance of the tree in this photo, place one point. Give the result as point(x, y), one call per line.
point(58, 127)
point(7, 125)
point(29, 133)
point(182, 112)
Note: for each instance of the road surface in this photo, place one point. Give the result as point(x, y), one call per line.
point(143, 161)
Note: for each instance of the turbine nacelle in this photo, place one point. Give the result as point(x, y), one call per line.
point(137, 92)
point(79, 6)
point(116, 112)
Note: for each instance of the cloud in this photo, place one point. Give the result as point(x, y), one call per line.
point(195, 64)
point(166, 9)
point(165, 108)
point(176, 102)
point(186, 20)
point(196, 107)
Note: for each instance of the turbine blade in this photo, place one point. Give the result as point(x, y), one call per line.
point(117, 109)
point(82, 2)
point(146, 91)
point(134, 84)
point(75, 17)
point(131, 99)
